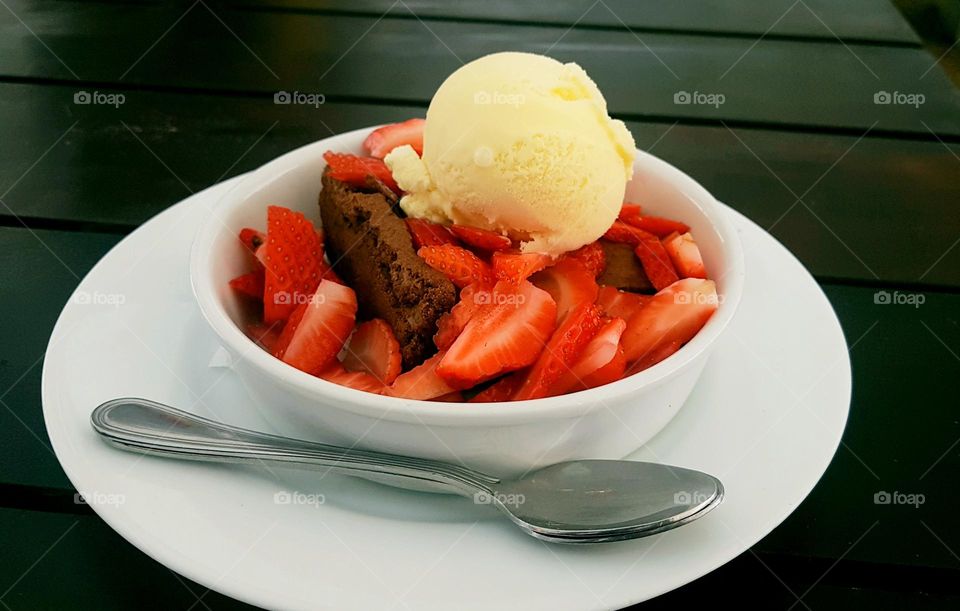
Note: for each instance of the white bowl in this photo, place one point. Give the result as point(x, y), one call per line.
point(502, 439)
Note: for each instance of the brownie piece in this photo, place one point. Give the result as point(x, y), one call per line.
point(371, 249)
point(624, 270)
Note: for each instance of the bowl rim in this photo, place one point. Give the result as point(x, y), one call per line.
point(570, 405)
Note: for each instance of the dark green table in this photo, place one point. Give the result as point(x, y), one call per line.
point(865, 193)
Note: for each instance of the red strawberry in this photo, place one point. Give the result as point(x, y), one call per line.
point(598, 353)
point(252, 238)
point(506, 332)
point(421, 382)
point(611, 372)
point(569, 283)
point(458, 264)
point(656, 225)
point(317, 329)
point(685, 255)
point(517, 267)
point(427, 233)
point(293, 257)
point(656, 263)
point(620, 304)
point(591, 256)
point(561, 352)
point(452, 323)
point(629, 211)
point(373, 348)
point(265, 336)
point(384, 139)
point(357, 380)
point(624, 233)
point(250, 284)
point(454, 397)
point(501, 390)
point(354, 170)
point(481, 238)
point(671, 318)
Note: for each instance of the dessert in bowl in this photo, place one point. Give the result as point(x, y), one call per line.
point(437, 317)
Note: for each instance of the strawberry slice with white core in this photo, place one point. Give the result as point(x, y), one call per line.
point(620, 304)
point(670, 319)
point(507, 332)
point(421, 382)
point(602, 349)
point(357, 380)
point(685, 254)
point(570, 284)
point(374, 349)
point(316, 330)
point(384, 139)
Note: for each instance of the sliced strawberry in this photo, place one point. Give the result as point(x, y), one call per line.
point(458, 264)
point(561, 352)
point(656, 263)
point(506, 332)
point(427, 233)
point(481, 238)
point(624, 233)
point(265, 336)
point(421, 382)
point(611, 372)
point(252, 238)
point(591, 256)
point(685, 255)
point(384, 139)
point(454, 397)
point(358, 380)
point(629, 211)
point(250, 285)
point(317, 329)
point(373, 348)
point(452, 323)
point(656, 225)
point(292, 258)
point(569, 283)
point(517, 267)
point(501, 390)
point(620, 304)
point(653, 357)
point(354, 170)
point(597, 354)
point(672, 316)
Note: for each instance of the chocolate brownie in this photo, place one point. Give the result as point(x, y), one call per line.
point(624, 270)
point(370, 248)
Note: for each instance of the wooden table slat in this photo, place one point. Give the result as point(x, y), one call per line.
point(819, 85)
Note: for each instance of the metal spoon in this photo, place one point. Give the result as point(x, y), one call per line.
point(580, 501)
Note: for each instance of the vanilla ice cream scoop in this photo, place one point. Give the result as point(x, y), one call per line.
point(519, 144)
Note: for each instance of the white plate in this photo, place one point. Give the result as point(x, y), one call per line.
point(766, 417)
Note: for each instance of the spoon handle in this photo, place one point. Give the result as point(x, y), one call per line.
point(149, 427)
